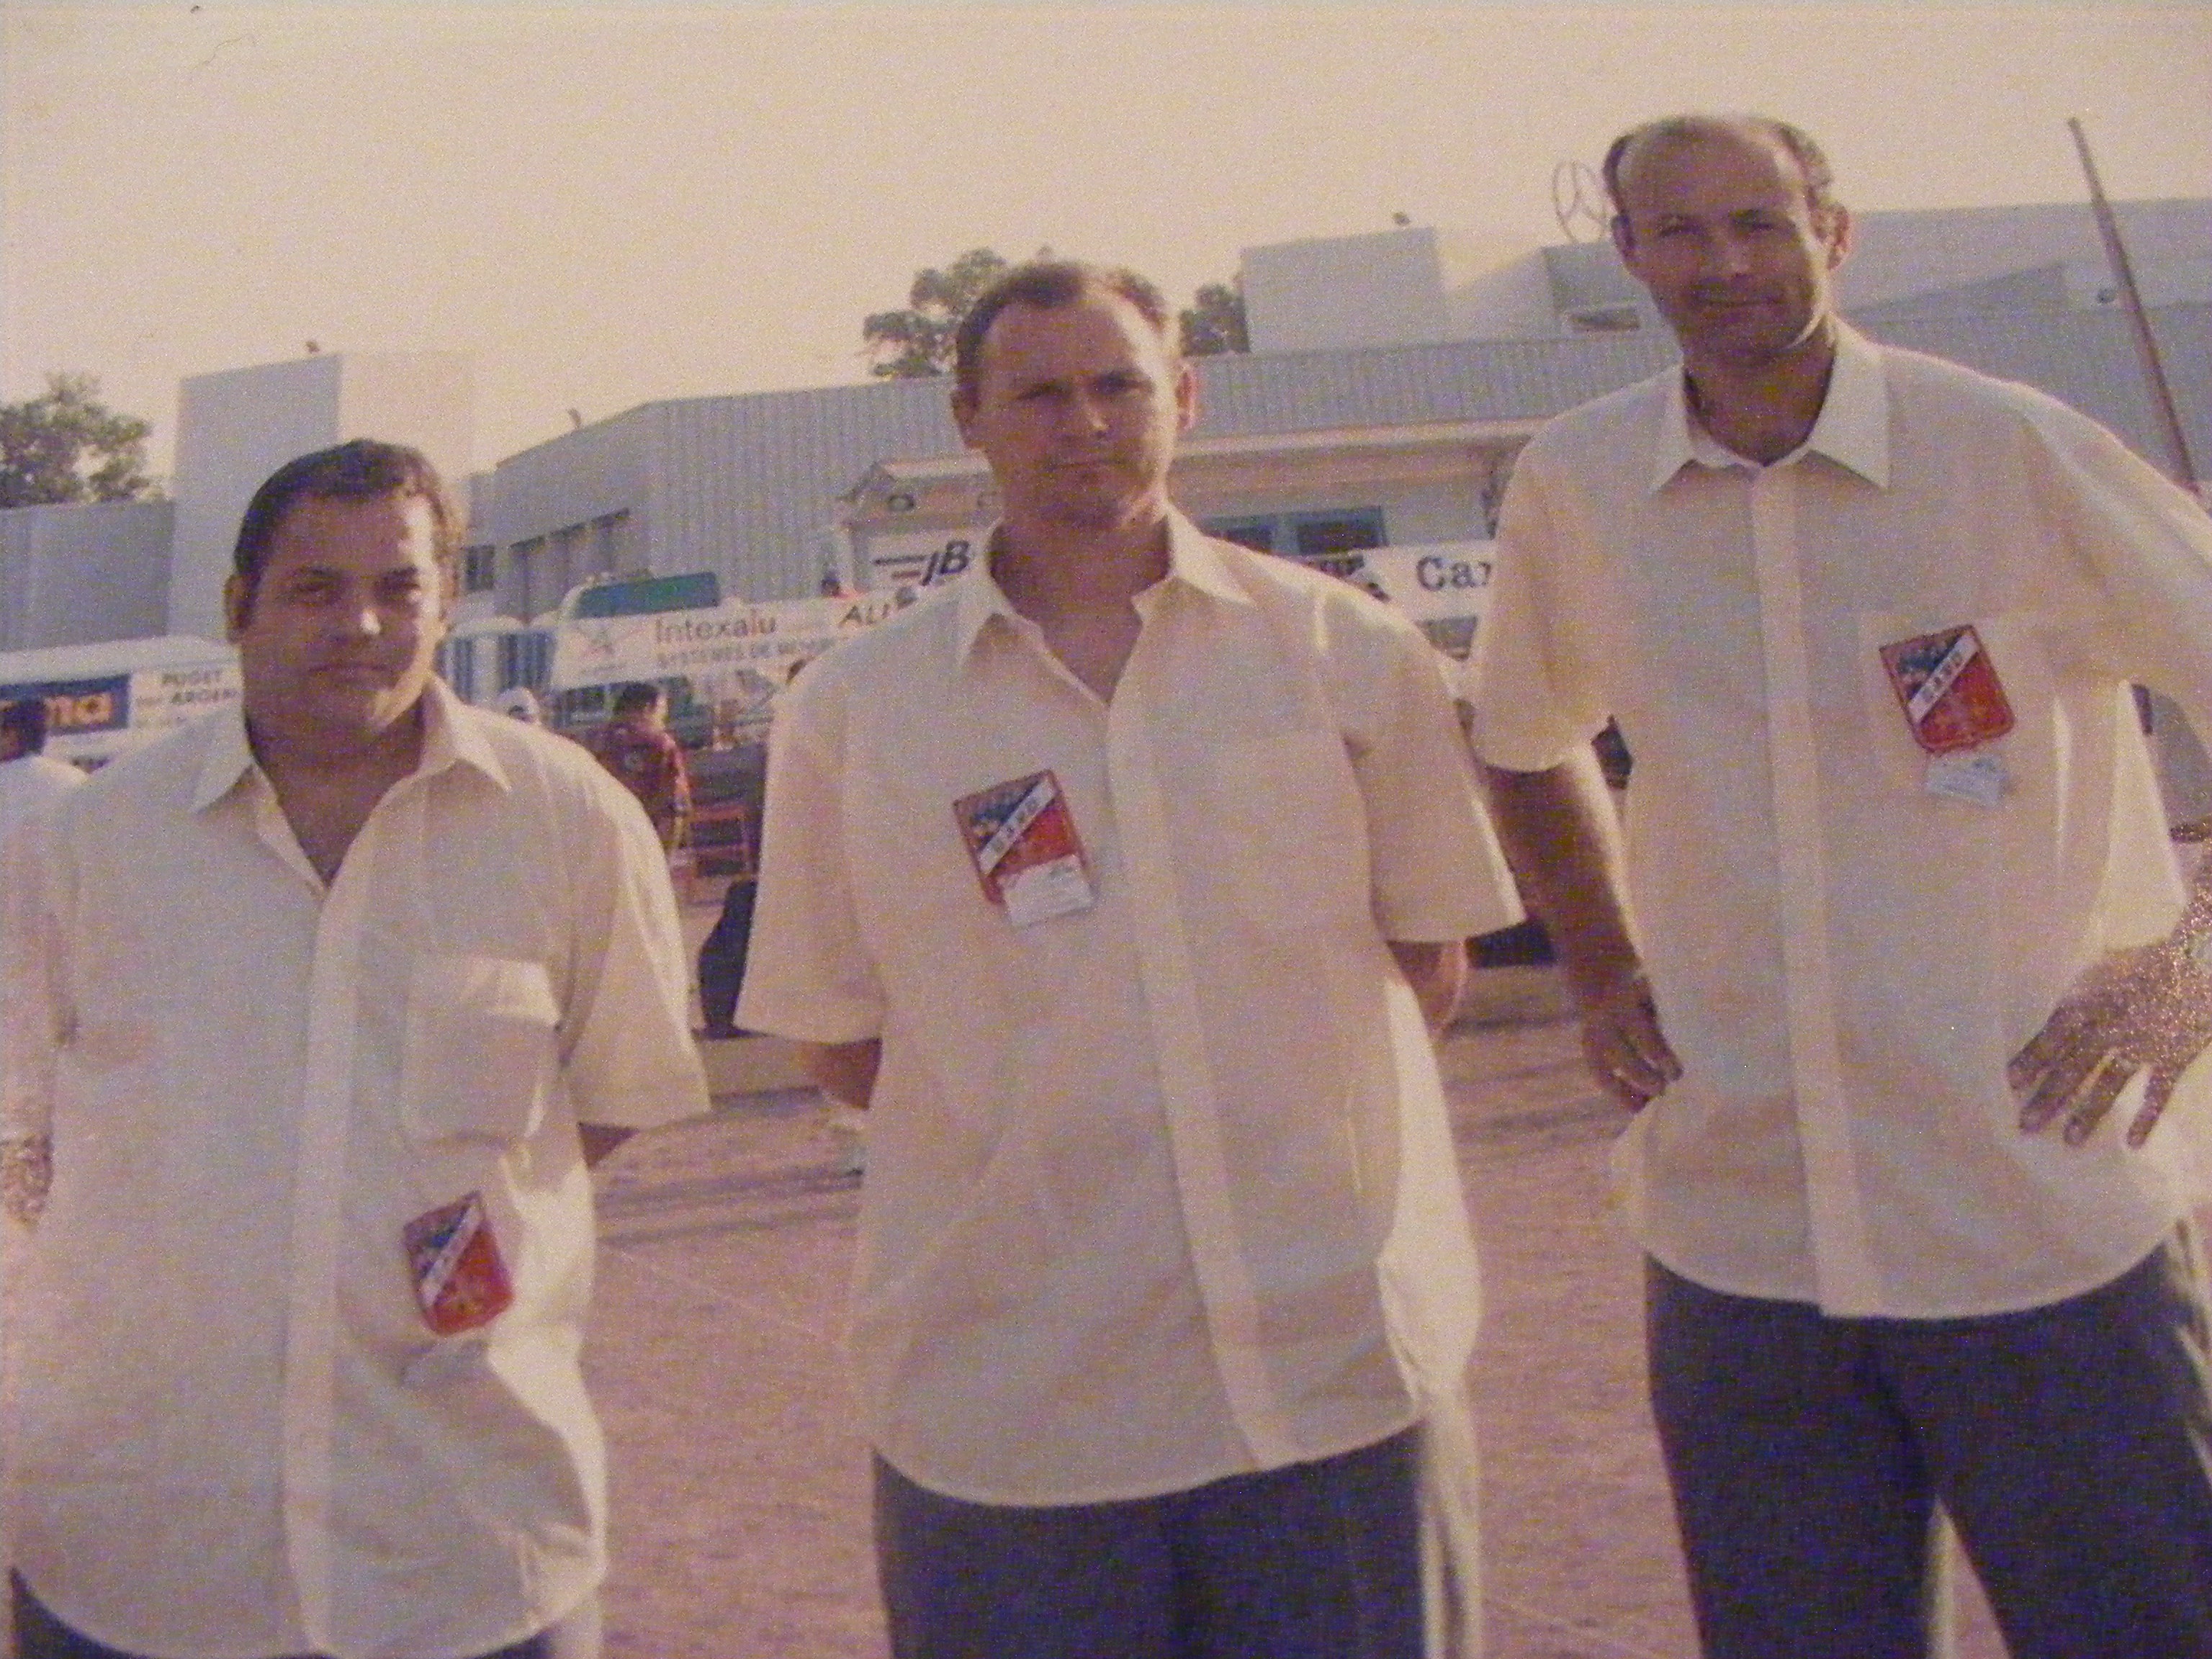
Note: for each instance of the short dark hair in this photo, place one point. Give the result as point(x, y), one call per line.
point(1048, 284)
point(26, 718)
point(637, 694)
point(1794, 141)
point(361, 470)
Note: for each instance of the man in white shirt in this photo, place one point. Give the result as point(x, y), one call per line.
point(316, 1014)
point(1115, 878)
point(29, 778)
point(1904, 908)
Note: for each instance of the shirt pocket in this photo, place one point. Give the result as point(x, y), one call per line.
point(480, 1053)
point(1291, 839)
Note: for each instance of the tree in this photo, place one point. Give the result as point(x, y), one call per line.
point(918, 340)
point(1215, 322)
point(65, 445)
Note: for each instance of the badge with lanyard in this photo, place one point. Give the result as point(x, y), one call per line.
point(1022, 837)
point(1956, 706)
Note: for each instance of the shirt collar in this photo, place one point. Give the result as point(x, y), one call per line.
point(448, 740)
point(1852, 430)
point(1194, 562)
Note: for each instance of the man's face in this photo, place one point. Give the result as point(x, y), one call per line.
point(1076, 409)
point(336, 643)
point(1717, 226)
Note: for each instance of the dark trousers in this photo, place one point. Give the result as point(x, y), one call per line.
point(39, 1635)
point(2071, 1446)
point(1319, 1561)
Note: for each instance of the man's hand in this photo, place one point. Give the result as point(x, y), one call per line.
point(2147, 1008)
point(845, 1072)
point(1622, 1041)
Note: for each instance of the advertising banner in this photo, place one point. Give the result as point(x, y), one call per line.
point(94, 717)
point(715, 649)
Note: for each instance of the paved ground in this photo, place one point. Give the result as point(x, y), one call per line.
point(740, 1508)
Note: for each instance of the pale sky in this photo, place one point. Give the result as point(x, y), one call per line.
point(608, 204)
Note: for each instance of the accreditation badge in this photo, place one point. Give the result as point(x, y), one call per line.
point(461, 1280)
point(1021, 836)
point(1955, 704)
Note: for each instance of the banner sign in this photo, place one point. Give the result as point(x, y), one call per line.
point(1439, 582)
point(712, 648)
point(97, 718)
point(909, 558)
point(730, 650)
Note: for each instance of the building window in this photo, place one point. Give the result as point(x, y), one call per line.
point(611, 553)
point(479, 569)
point(525, 658)
point(523, 561)
point(456, 665)
point(1330, 540)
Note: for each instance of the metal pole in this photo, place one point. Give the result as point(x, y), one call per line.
point(2161, 395)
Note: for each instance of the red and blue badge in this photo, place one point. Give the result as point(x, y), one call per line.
point(461, 1280)
point(1955, 705)
point(1022, 837)
point(1952, 696)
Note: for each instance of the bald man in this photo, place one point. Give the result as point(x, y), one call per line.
point(1914, 975)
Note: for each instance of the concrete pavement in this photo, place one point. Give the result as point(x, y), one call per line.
point(740, 1505)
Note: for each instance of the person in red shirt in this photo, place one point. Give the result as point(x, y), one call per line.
point(637, 747)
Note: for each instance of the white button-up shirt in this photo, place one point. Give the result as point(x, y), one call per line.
point(1844, 958)
point(236, 1432)
point(30, 782)
point(1159, 1190)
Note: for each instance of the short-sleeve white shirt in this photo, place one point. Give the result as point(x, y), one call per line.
point(1160, 1190)
point(29, 784)
point(235, 1431)
point(1843, 959)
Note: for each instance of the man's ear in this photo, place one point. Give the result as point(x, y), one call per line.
point(1623, 238)
point(1839, 232)
point(963, 417)
point(1186, 395)
point(237, 606)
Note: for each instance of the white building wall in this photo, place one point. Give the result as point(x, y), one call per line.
point(1380, 289)
point(79, 574)
point(236, 427)
point(1513, 301)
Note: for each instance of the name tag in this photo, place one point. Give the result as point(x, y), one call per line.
point(1022, 837)
point(1955, 705)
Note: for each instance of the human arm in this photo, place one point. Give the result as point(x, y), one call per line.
point(2143, 612)
point(623, 980)
point(1563, 841)
point(32, 1022)
point(1437, 972)
point(2147, 1008)
point(845, 1072)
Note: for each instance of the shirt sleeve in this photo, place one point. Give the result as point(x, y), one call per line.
point(1438, 872)
point(2145, 549)
point(1534, 701)
point(628, 1056)
point(809, 975)
point(34, 1017)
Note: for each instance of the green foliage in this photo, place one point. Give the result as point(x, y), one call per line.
point(1215, 322)
point(918, 340)
point(66, 446)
